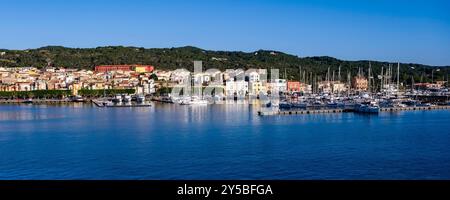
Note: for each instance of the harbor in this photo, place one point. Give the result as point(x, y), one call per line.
point(370, 91)
point(364, 103)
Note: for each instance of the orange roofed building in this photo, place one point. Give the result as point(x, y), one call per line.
point(360, 83)
point(137, 68)
point(294, 86)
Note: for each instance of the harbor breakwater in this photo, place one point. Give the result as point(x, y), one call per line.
point(334, 111)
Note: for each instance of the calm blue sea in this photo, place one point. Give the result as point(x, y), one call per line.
point(219, 142)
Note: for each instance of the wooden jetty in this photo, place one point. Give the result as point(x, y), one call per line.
point(300, 112)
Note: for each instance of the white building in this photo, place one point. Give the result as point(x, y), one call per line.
point(307, 89)
point(201, 78)
point(252, 76)
point(181, 76)
point(215, 75)
point(40, 85)
point(339, 87)
point(163, 75)
point(150, 87)
point(277, 86)
point(239, 88)
point(234, 75)
point(324, 86)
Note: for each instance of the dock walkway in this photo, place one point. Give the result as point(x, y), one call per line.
point(331, 111)
point(395, 109)
point(300, 112)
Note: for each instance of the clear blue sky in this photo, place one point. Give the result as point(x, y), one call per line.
point(407, 31)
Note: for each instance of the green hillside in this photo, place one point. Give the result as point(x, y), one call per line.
point(173, 58)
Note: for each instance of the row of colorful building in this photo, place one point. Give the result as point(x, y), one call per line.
point(146, 80)
point(253, 82)
point(103, 77)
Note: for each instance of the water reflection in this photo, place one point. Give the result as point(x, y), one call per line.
point(28, 114)
point(225, 141)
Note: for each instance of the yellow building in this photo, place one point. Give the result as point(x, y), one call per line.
point(143, 68)
point(75, 88)
point(255, 88)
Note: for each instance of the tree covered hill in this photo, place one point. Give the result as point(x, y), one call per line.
point(183, 57)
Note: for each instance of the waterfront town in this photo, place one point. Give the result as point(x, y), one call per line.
point(146, 81)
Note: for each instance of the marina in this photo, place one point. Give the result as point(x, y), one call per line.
point(287, 105)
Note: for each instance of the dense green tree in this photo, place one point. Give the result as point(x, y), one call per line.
point(183, 57)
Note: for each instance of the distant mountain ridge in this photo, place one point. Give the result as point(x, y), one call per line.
point(183, 57)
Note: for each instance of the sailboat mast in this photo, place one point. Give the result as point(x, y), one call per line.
point(398, 77)
point(328, 75)
point(390, 74)
point(349, 83)
point(300, 73)
point(339, 73)
point(370, 67)
point(382, 75)
point(285, 74)
point(432, 76)
point(304, 76)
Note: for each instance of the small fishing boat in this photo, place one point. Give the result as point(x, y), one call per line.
point(140, 98)
point(369, 108)
point(194, 101)
point(78, 98)
point(285, 105)
point(166, 99)
point(299, 105)
point(423, 105)
point(332, 105)
point(107, 103)
point(180, 100)
point(318, 104)
point(271, 104)
point(126, 98)
point(117, 99)
point(28, 101)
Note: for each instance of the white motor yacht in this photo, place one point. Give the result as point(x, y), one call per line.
point(117, 99)
point(140, 98)
point(126, 98)
point(194, 101)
